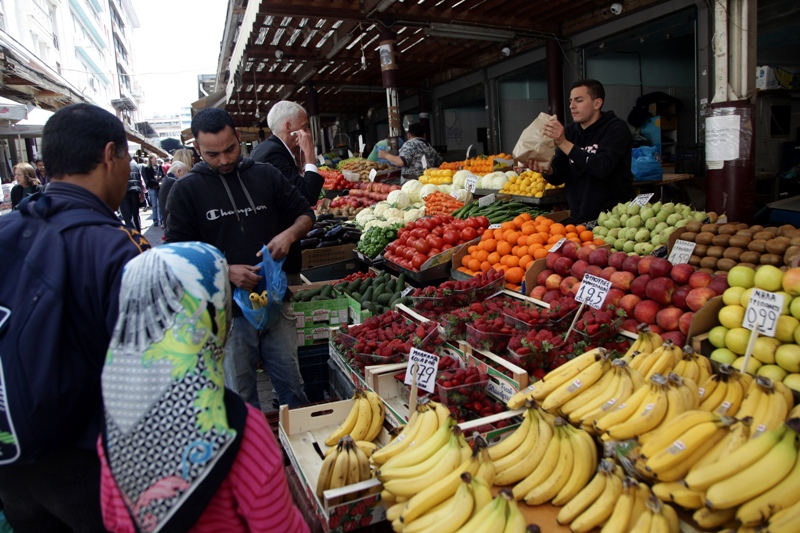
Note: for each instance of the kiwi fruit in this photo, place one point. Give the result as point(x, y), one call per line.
point(721, 239)
point(746, 232)
point(772, 229)
point(791, 234)
point(749, 265)
point(750, 257)
point(756, 228)
point(726, 264)
point(777, 246)
point(739, 241)
point(704, 237)
point(771, 259)
point(700, 249)
point(741, 226)
point(709, 262)
point(732, 252)
point(764, 235)
point(694, 226)
point(711, 228)
point(794, 241)
point(790, 252)
point(786, 228)
point(715, 251)
point(758, 245)
point(706, 269)
point(694, 261)
point(688, 236)
point(727, 229)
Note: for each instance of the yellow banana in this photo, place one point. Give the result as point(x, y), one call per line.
point(684, 446)
point(589, 494)
point(710, 519)
point(515, 521)
point(481, 492)
point(712, 401)
point(490, 519)
point(601, 509)
point(678, 493)
point(378, 416)
point(623, 390)
point(737, 435)
point(583, 467)
point(666, 434)
point(448, 517)
point(521, 462)
point(565, 373)
point(649, 415)
point(679, 470)
point(589, 392)
point(420, 453)
point(353, 469)
point(326, 472)
point(393, 512)
point(732, 400)
point(408, 487)
point(349, 423)
point(621, 412)
point(255, 301)
point(781, 496)
point(442, 412)
point(571, 388)
point(785, 521)
point(340, 469)
point(543, 470)
point(364, 421)
point(428, 424)
point(518, 399)
point(664, 363)
point(486, 470)
point(513, 441)
point(548, 488)
point(399, 443)
point(387, 473)
point(620, 517)
point(673, 521)
point(642, 524)
point(786, 392)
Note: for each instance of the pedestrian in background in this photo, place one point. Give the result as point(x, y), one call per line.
point(27, 183)
point(152, 174)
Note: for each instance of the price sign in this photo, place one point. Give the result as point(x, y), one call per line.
point(471, 183)
point(494, 226)
point(487, 200)
point(426, 365)
point(424, 162)
point(681, 252)
point(763, 311)
point(642, 199)
point(558, 244)
point(349, 153)
point(361, 144)
point(320, 160)
point(593, 291)
point(406, 291)
point(454, 194)
point(591, 224)
point(372, 174)
point(469, 149)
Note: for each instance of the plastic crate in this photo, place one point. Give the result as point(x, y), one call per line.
point(313, 362)
point(341, 388)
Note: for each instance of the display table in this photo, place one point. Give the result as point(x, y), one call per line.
point(668, 179)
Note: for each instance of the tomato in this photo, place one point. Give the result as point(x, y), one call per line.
point(451, 236)
point(418, 261)
point(472, 222)
point(409, 252)
point(422, 246)
point(434, 241)
point(410, 226)
point(411, 240)
point(458, 224)
point(420, 233)
point(480, 231)
point(403, 239)
point(426, 223)
point(438, 231)
point(483, 221)
point(446, 247)
point(434, 251)
point(468, 233)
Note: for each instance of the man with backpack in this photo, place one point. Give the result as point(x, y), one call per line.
point(62, 255)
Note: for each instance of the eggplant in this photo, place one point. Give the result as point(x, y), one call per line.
point(307, 244)
point(325, 244)
point(316, 233)
point(324, 216)
point(335, 232)
point(351, 236)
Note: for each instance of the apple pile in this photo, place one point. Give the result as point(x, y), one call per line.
point(630, 228)
point(777, 358)
point(649, 289)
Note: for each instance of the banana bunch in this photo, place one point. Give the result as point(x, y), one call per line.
point(629, 506)
point(678, 493)
point(424, 422)
point(567, 394)
point(767, 402)
point(500, 515)
point(257, 301)
point(657, 518)
point(643, 411)
point(367, 447)
point(365, 420)
point(345, 466)
point(567, 465)
point(762, 476)
point(594, 503)
point(786, 520)
point(680, 443)
point(406, 511)
point(660, 361)
point(693, 366)
point(722, 393)
point(682, 395)
point(596, 401)
point(472, 495)
point(516, 456)
point(645, 343)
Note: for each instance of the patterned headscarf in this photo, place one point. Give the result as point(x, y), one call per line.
point(166, 422)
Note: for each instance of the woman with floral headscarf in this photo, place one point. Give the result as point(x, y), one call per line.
point(179, 452)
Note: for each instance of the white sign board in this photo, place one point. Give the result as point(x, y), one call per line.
point(593, 291)
point(426, 365)
point(763, 311)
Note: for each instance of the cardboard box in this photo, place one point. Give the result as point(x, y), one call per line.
point(505, 378)
point(313, 335)
point(317, 257)
point(320, 313)
point(302, 433)
point(765, 79)
point(703, 321)
point(341, 363)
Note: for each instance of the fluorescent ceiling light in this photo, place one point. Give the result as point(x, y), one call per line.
point(468, 32)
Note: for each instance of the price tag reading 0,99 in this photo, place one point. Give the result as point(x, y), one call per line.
point(426, 365)
point(763, 311)
point(593, 291)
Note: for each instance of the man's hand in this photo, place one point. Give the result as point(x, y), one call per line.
point(279, 245)
point(555, 130)
point(539, 167)
point(306, 144)
point(244, 276)
point(382, 154)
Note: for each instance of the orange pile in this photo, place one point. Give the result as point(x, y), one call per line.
point(514, 246)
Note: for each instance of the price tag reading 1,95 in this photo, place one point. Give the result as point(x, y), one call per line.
point(763, 311)
point(471, 183)
point(426, 365)
point(593, 291)
point(642, 199)
point(681, 252)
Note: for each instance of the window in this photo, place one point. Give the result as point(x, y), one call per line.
point(779, 120)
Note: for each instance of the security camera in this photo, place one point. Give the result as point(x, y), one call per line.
point(616, 8)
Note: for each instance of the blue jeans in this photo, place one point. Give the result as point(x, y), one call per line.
point(153, 195)
point(277, 349)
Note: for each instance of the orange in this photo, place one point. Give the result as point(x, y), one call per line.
point(493, 258)
point(481, 255)
point(511, 260)
point(514, 250)
point(485, 266)
point(489, 234)
point(503, 248)
point(507, 225)
point(571, 235)
point(586, 236)
point(515, 275)
point(474, 265)
point(526, 216)
point(534, 247)
point(489, 245)
point(523, 240)
point(536, 238)
point(599, 242)
point(465, 260)
point(518, 221)
point(580, 228)
point(540, 253)
point(525, 261)
point(522, 251)
point(498, 234)
point(513, 237)
point(528, 229)
point(542, 228)
point(554, 238)
point(557, 229)
point(569, 228)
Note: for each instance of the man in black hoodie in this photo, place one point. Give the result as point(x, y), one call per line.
point(593, 155)
point(239, 205)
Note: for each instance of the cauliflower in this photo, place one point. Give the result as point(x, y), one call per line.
point(499, 181)
point(392, 212)
point(413, 214)
point(374, 223)
point(364, 216)
point(427, 189)
point(395, 220)
point(380, 208)
point(398, 199)
point(412, 188)
point(462, 195)
point(446, 188)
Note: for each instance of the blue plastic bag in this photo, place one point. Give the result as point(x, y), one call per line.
point(273, 281)
point(644, 165)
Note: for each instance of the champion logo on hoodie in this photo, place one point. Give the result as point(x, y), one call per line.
point(215, 214)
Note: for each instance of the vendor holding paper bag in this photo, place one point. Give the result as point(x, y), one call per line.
point(593, 154)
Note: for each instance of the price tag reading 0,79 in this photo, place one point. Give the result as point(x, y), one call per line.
point(763, 311)
point(426, 365)
point(593, 291)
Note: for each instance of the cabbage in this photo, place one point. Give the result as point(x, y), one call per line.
point(446, 188)
point(511, 174)
point(499, 181)
point(460, 178)
point(462, 195)
point(398, 199)
point(427, 189)
point(411, 188)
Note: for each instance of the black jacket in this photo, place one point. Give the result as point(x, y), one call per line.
point(152, 176)
point(274, 152)
point(201, 210)
point(597, 171)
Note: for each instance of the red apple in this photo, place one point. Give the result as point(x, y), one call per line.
point(698, 297)
point(578, 268)
point(699, 279)
point(639, 284)
point(630, 324)
point(607, 272)
point(538, 291)
point(616, 259)
point(599, 257)
point(613, 297)
point(631, 264)
point(667, 319)
point(553, 282)
point(684, 322)
point(660, 268)
point(655, 329)
point(567, 284)
point(551, 296)
point(622, 280)
point(719, 284)
point(594, 270)
point(551, 258)
point(628, 303)
point(680, 273)
point(586, 251)
point(679, 297)
point(543, 275)
point(575, 289)
point(791, 281)
point(569, 249)
point(562, 266)
point(678, 338)
point(660, 290)
point(646, 311)
point(644, 264)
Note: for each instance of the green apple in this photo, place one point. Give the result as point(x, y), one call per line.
point(773, 372)
point(794, 307)
point(741, 276)
point(731, 316)
point(736, 340)
point(788, 357)
point(792, 381)
point(752, 365)
point(717, 336)
point(723, 356)
point(764, 349)
point(732, 295)
point(787, 302)
point(768, 278)
point(746, 297)
point(784, 331)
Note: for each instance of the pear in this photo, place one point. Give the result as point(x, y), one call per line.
point(673, 219)
point(602, 217)
point(657, 207)
point(682, 222)
point(630, 233)
point(619, 244)
point(634, 222)
point(647, 212)
point(623, 218)
point(612, 223)
point(661, 216)
point(660, 226)
point(699, 216)
point(614, 233)
point(628, 247)
point(668, 207)
point(650, 223)
point(601, 230)
point(642, 235)
point(633, 209)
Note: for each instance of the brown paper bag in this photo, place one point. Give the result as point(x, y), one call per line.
point(534, 145)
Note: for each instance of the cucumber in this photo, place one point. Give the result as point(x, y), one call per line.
point(341, 286)
point(384, 298)
point(327, 292)
point(353, 286)
point(367, 296)
point(356, 296)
